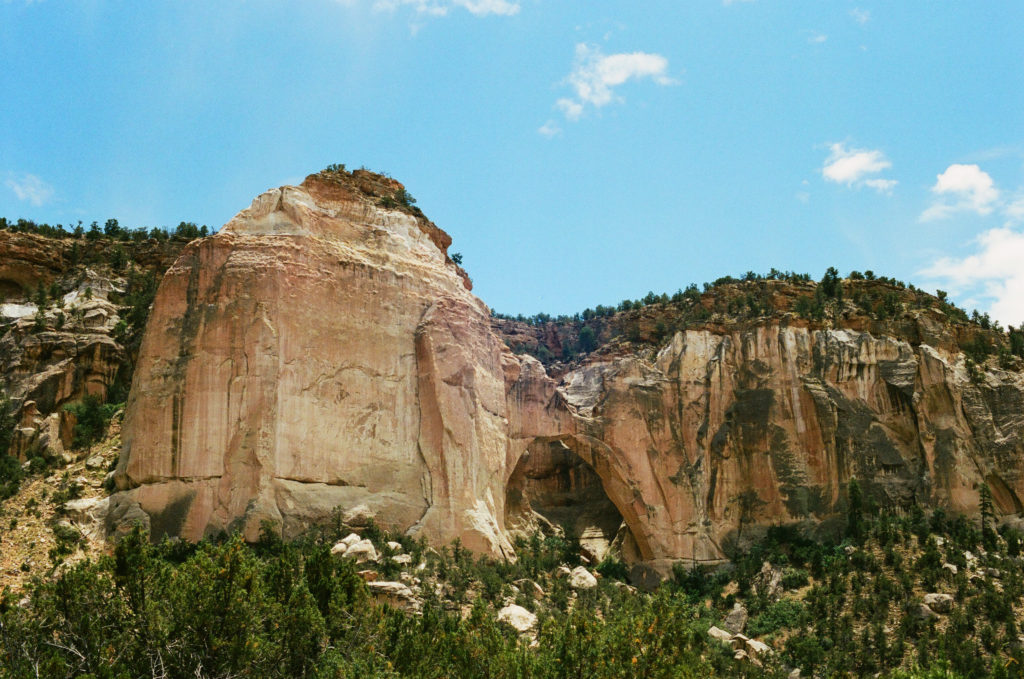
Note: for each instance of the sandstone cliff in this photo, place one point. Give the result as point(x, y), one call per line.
point(322, 352)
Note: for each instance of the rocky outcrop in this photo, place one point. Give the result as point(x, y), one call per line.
point(322, 354)
point(716, 433)
point(60, 306)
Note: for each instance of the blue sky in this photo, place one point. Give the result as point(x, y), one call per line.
point(578, 152)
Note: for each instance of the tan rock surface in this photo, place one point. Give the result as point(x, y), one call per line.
point(319, 352)
point(718, 432)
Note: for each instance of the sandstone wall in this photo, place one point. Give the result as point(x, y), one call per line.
point(322, 353)
point(319, 352)
point(717, 433)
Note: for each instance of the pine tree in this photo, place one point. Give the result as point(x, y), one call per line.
point(989, 538)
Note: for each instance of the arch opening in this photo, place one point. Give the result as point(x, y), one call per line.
point(554, 491)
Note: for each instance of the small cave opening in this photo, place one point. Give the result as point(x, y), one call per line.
point(11, 291)
point(553, 491)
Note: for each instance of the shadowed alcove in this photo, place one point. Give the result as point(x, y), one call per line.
point(554, 491)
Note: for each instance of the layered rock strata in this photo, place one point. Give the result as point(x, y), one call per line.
point(57, 354)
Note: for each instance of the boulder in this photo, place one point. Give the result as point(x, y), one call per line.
point(581, 578)
point(736, 620)
point(940, 603)
point(362, 551)
point(88, 511)
point(721, 635)
point(768, 582)
point(923, 612)
point(530, 588)
point(518, 618)
point(622, 586)
point(398, 594)
point(758, 648)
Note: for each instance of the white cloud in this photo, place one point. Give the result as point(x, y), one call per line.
point(881, 185)
point(962, 188)
point(1014, 211)
point(853, 167)
point(572, 109)
point(31, 188)
point(442, 7)
point(992, 274)
point(550, 129)
point(861, 16)
point(595, 75)
point(817, 38)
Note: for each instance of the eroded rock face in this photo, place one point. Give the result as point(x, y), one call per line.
point(718, 432)
point(319, 352)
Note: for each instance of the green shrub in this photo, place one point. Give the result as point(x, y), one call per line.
point(784, 613)
point(91, 420)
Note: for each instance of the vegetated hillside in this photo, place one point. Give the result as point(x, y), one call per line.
point(862, 302)
point(895, 596)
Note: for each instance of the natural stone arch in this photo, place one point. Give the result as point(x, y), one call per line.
point(573, 479)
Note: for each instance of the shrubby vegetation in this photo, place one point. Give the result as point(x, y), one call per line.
point(224, 608)
point(749, 298)
point(274, 609)
point(111, 230)
point(91, 419)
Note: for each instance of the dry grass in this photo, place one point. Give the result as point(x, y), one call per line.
point(28, 518)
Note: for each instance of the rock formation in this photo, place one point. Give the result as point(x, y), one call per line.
point(322, 353)
point(67, 349)
point(720, 431)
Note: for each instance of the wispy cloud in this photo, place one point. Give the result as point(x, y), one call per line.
point(861, 16)
point(855, 167)
point(595, 76)
point(881, 185)
point(1014, 210)
point(31, 188)
point(962, 188)
point(817, 38)
point(550, 129)
point(991, 275)
point(443, 7)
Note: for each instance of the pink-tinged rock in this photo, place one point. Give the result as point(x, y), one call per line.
point(319, 353)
